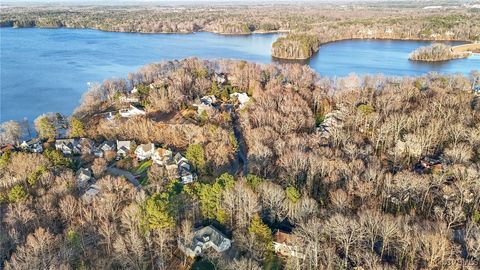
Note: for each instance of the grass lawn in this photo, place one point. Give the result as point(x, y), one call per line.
point(144, 180)
point(142, 167)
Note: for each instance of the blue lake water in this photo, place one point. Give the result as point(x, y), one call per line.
point(47, 70)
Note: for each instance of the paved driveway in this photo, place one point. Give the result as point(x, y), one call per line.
point(119, 172)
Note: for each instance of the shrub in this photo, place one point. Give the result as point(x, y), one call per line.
point(17, 194)
point(196, 155)
point(292, 194)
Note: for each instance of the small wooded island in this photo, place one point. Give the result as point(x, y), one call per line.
point(437, 52)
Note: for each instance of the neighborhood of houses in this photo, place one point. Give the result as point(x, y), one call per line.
point(176, 165)
point(207, 103)
point(209, 237)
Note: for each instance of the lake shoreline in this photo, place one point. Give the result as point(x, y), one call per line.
point(78, 56)
point(256, 32)
point(283, 31)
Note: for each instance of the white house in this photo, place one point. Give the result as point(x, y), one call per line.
point(184, 165)
point(162, 156)
point(242, 98)
point(131, 111)
point(68, 146)
point(179, 158)
point(220, 78)
point(107, 146)
point(123, 147)
point(145, 151)
point(186, 176)
point(34, 146)
point(204, 238)
point(128, 99)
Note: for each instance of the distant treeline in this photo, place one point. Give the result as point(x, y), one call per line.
point(437, 27)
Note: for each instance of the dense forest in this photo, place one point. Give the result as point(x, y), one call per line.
point(372, 172)
point(309, 25)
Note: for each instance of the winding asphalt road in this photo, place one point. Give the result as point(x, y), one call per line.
point(119, 172)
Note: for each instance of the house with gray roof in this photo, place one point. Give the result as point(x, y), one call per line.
point(91, 193)
point(123, 148)
point(34, 145)
point(83, 176)
point(68, 146)
point(203, 239)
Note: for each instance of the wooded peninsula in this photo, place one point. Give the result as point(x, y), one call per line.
point(248, 166)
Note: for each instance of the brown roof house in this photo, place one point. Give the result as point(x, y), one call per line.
point(284, 246)
point(162, 156)
point(205, 238)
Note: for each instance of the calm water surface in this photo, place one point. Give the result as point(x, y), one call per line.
point(47, 70)
point(389, 57)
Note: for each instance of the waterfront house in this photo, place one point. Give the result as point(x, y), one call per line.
point(34, 145)
point(204, 238)
point(68, 146)
point(83, 176)
point(476, 89)
point(123, 148)
point(145, 151)
point(131, 112)
point(220, 78)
